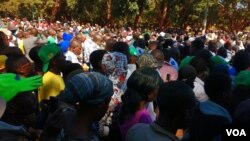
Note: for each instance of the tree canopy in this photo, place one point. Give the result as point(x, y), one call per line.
point(229, 15)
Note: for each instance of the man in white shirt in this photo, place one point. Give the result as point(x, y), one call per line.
point(74, 51)
point(88, 46)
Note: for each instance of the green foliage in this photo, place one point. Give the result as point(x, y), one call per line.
point(225, 14)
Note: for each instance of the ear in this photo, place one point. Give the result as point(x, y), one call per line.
point(20, 70)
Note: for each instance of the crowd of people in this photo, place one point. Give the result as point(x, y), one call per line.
point(72, 81)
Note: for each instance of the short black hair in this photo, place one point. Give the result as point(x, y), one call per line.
point(96, 57)
point(70, 68)
point(241, 60)
point(222, 52)
point(205, 55)
point(10, 51)
point(122, 47)
point(197, 45)
point(14, 62)
point(199, 64)
point(216, 85)
point(175, 98)
point(212, 45)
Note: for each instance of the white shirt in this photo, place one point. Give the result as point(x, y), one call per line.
point(70, 56)
point(88, 47)
point(199, 90)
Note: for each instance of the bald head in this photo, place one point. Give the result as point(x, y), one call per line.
point(52, 32)
point(80, 37)
point(75, 43)
point(75, 47)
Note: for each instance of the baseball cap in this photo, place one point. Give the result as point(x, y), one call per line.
point(46, 53)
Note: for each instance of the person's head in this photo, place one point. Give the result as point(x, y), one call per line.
point(200, 66)
point(153, 45)
point(159, 56)
point(70, 70)
point(4, 41)
point(147, 60)
point(142, 87)
point(52, 57)
point(176, 102)
point(52, 32)
point(196, 46)
point(205, 55)
point(96, 60)
point(9, 51)
point(20, 65)
point(21, 110)
point(228, 45)
point(34, 32)
point(222, 52)
point(81, 37)
point(167, 54)
point(20, 34)
point(212, 46)
point(122, 47)
point(92, 91)
point(110, 45)
point(33, 54)
point(75, 47)
point(140, 43)
point(218, 88)
point(241, 61)
point(242, 113)
point(188, 75)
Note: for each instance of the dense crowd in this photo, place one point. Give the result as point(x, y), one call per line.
point(73, 81)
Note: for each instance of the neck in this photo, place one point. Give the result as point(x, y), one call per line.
point(83, 124)
point(168, 125)
point(55, 70)
point(142, 105)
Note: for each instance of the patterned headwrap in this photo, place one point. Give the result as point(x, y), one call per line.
point(91, 88)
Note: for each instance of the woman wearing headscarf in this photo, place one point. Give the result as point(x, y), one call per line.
point(92, 91)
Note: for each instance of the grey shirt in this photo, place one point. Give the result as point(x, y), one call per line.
point(152, 132)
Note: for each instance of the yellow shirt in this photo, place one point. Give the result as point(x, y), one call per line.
point(20, 45)
point(52, 86)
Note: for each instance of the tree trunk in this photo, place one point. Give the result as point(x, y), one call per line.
point(163, 13)
point(108, 11)
point(55, 9)
point(138, 17)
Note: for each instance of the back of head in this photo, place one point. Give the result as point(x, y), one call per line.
point(213, 46)
point(196, 45)
point(175, 99)
point(144, 81)
point(217, 87)
point(242, 113)
point(199, 64)
point(122, 48)
point(206, 55)
point(3, 41)
point(33, 54)
point(96, 58)
point(87, 88)
point(147, 60)
point(159, 56)
point(110, 44)
point(71, 69)
point(188, 75)
point(9, 51)
point(222, 52)
point(241, 60)
point(21, 109)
